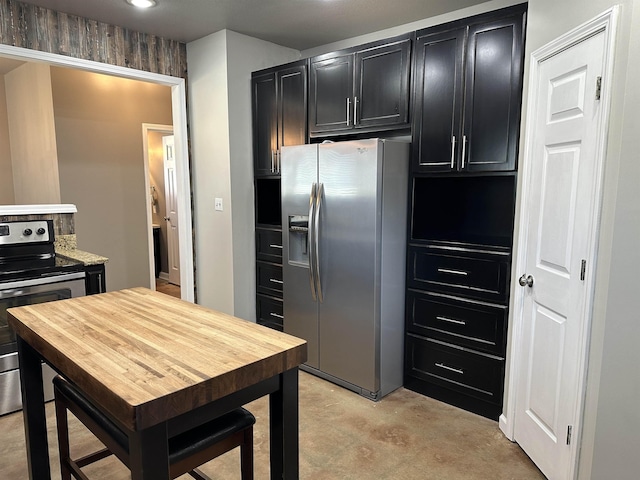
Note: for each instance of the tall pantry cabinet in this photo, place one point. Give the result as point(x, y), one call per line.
point(466, 119)
point(279, 104)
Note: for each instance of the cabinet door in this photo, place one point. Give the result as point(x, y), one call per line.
point(330, 94)
point(269, 312)
point(264, 124)
point(477, 325)
point(292, 106)
point(438, 101)
point(493, 91)
point(95, 281)
point(382, 85)
point(269, 279)
point(472, 373)
point(483, 277)
point(269, 245)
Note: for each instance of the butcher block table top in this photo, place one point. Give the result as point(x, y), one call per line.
point(147, 357)
point(158, 365)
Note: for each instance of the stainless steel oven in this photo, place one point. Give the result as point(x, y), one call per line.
point(29, 274)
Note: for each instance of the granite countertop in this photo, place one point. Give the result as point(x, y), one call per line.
point(67, 246)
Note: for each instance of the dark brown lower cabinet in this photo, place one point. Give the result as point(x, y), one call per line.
point(269, 276)
point(269, 311)
point(458, 276)
point(469, 324)
point(469, 372)
point(95, 280)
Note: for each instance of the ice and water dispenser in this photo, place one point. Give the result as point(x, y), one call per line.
point(299, 239)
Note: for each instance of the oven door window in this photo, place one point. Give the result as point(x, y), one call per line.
point(19, 299)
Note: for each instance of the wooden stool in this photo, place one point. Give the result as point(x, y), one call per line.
point(187, 450)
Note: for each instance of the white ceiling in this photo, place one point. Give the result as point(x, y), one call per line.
point(299, 24)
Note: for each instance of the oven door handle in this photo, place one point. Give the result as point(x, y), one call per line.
point(32, 282)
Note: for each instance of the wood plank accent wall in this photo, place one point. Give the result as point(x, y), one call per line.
point(29, 26)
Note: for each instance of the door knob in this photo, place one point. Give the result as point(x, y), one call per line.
point(526, 280)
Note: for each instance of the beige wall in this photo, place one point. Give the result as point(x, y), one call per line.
point(100, 151)
point(32, 134)
point(220, 67)
point(6, 172)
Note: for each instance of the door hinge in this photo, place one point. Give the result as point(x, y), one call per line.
point(598, 87)
point(569, 429)
point(583, 270)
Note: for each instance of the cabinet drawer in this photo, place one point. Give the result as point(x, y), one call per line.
point(269, 312)
point(269, 245)
point(466, 323)
point(269, 279)
point(471, 373)
point(483, 277)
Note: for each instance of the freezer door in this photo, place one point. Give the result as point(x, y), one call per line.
point(299, 171)
point(349, 267)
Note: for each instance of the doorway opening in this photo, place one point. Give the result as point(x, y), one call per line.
point(178, 105)
point(164, 251)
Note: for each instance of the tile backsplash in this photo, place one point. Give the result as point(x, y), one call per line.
point(63, 223)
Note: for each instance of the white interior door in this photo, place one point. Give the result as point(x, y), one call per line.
point(561, 198)
point(171, 195)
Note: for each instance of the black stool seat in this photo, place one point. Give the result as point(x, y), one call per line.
point(182, 447)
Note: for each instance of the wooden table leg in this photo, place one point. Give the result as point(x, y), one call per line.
point(149, 453)
point(35, 420)
point(283, 420)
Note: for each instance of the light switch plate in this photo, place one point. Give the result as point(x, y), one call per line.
point(218, 204)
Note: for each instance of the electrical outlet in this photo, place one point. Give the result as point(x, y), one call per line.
point(218, 204)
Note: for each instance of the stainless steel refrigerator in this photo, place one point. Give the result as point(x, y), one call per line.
point(344, 213)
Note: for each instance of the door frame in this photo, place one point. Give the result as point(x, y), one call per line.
point(179, 114)
point(146, 128)
point(607, 23)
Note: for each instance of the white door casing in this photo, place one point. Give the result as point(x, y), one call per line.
point(179, 108)
point(565, 144)
point(172, 218)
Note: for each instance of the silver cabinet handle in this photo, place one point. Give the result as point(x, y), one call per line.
point(526, 280)
point(273, 245)
point(277, 315)
point(451, 369)
point(278, 160)
point(464, 149)
point(355, 110)
point(317, 240)
point(348, 112)
point(454, 272)
point(453, 151)
point(451, 320)
point(273, 163)
point(275, 280)
point(311, 243)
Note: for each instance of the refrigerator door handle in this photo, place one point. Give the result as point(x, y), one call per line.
point(316, 235)
point(311, 246)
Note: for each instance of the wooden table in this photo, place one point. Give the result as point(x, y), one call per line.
point(158, 366)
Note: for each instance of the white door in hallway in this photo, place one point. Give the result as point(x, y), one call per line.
point(556, 251)
point(171, 196)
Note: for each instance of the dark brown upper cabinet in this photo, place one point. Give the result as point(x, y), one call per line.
point(279, 98)
point(360, 89)
point(467, 93)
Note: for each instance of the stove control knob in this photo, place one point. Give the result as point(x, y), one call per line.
point(27, 232)
point(41, 231)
